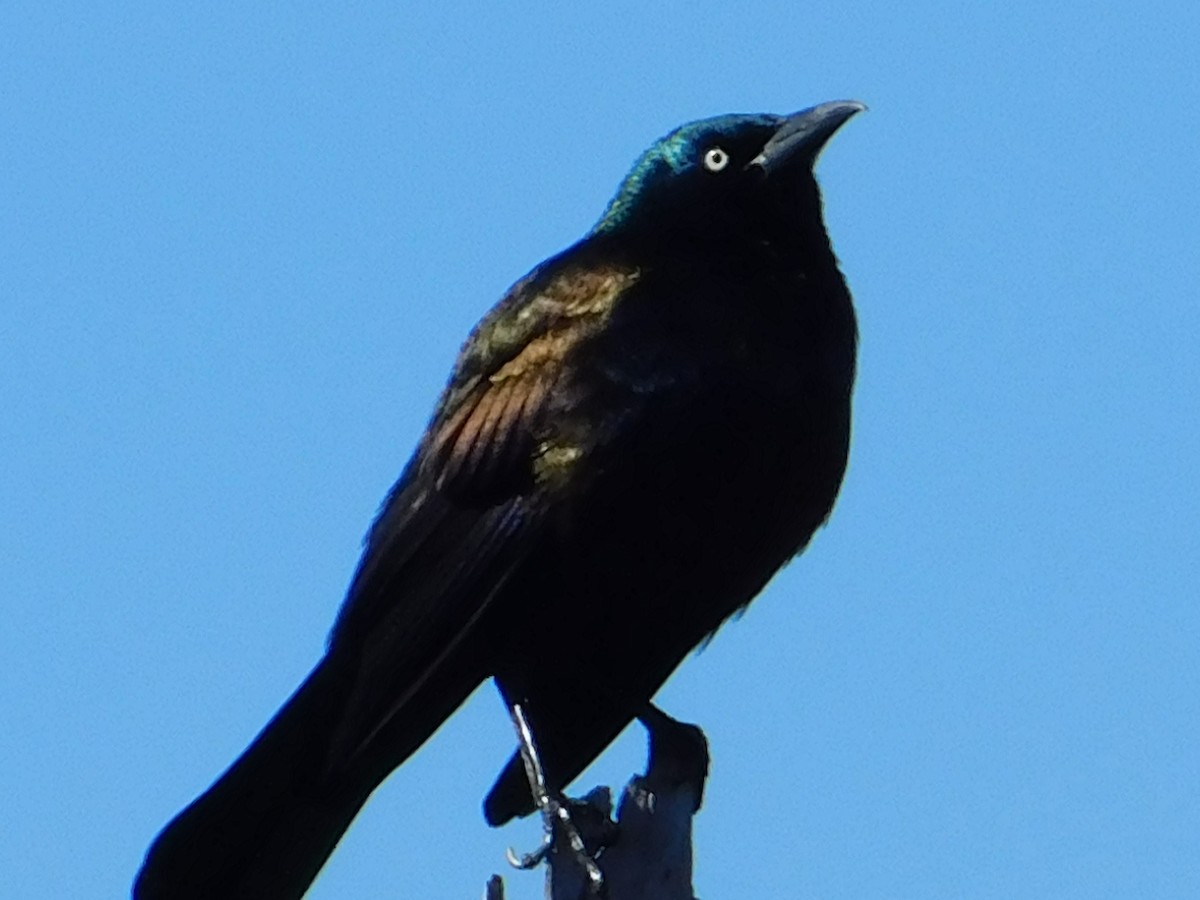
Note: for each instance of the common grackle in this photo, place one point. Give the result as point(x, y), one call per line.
point(632, 442)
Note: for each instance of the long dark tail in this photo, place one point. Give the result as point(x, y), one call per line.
point(267, 826)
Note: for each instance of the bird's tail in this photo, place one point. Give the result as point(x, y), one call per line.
point(267, 826)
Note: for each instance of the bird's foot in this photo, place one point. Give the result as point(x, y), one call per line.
point(556, 813)
point(529, 860)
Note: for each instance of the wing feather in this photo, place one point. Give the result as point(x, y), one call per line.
point(468, 508)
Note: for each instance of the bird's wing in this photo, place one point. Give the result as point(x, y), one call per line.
point(469, 506)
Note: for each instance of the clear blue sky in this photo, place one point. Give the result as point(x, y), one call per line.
point(240, 244)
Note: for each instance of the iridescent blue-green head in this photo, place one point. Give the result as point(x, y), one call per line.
point(747, 175)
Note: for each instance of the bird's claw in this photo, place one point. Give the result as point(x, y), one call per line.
point(556, 817)
point(532, 860)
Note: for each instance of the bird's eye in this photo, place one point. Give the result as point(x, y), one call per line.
point(715, 159)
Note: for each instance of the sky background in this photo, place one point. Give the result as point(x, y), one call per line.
point(241, 243)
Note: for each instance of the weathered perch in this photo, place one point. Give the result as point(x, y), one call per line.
point(646, 853)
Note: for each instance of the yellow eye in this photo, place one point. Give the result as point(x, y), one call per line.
point(715, 159)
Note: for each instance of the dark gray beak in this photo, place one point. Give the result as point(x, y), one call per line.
point(802, 135)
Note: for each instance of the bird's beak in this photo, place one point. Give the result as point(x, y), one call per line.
point(802, 135)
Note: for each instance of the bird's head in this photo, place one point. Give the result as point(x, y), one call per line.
point(731, 176)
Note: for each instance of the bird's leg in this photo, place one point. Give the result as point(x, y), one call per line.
point(555, 815)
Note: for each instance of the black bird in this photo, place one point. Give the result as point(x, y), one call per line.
point(633, 441)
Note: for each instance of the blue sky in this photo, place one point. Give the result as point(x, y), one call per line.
point(240, 244)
